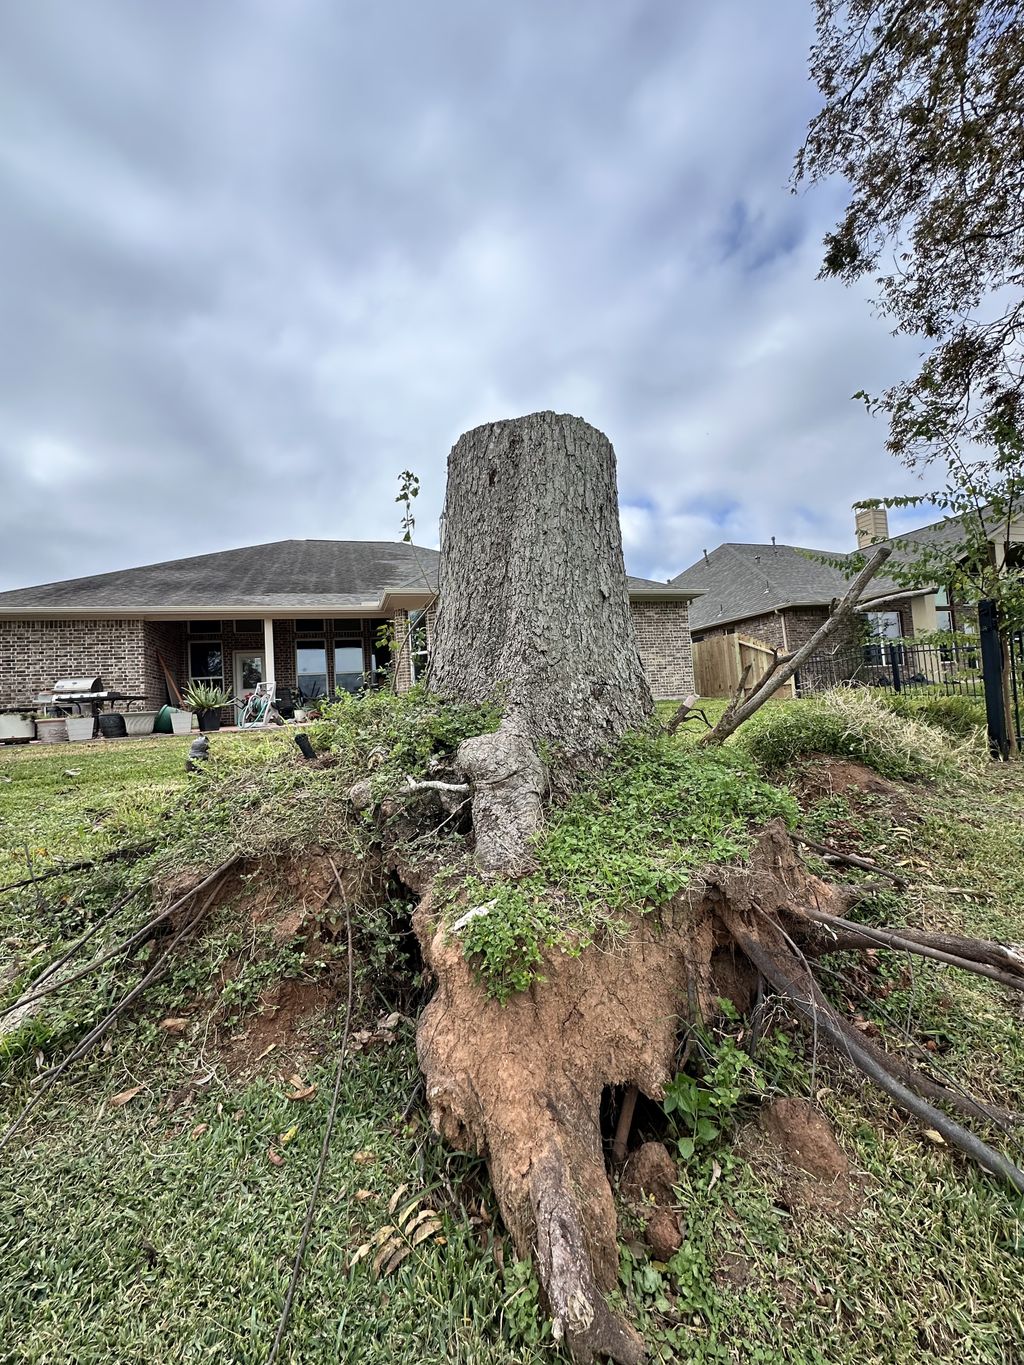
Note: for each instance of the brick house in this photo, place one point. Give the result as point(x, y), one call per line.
point(313, 608)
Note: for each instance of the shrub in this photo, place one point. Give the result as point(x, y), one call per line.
point(855, 723)
point(959, 716)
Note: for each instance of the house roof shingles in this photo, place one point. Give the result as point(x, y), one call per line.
point(328, 575)
point(739, 581)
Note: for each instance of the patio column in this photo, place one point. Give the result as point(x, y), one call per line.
point(268, 649)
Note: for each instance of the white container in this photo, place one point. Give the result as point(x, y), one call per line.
point(52, 730)
point(16, 729)
point(141, 722)
point(81, 727)
point(181, 722)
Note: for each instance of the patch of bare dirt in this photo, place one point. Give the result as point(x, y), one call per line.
point(822, 776)
point(794, 1144)
point(285, 1032)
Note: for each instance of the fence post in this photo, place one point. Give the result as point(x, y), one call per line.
point(894, 660)
point(992, 675)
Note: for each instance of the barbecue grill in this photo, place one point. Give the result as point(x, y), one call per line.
point(83, 692)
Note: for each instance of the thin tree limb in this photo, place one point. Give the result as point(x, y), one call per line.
point(778, 677)
point(791, 980)
point(888, 938)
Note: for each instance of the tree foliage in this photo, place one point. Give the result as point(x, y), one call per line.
point(924, 117)
point(981, 498)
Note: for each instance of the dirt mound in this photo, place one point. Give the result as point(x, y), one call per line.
point(822, 776)
point(648, 1183)
point(797, 1146)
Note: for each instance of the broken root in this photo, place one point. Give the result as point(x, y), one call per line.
point(521, 1083)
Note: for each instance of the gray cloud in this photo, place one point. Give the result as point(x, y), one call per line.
point(256, 258)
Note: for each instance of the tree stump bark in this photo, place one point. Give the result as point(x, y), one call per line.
point(534, 614)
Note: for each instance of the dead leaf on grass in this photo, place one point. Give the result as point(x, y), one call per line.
point(174, 1025)
point(116, 1101)
point(274, 1157)
point(198, 1131)
point(306, 1093)
point(364, 1158)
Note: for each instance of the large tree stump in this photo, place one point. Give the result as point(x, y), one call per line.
point(534, 613)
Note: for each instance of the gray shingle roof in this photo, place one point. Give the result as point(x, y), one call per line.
point(748, 580)
point(328, 575)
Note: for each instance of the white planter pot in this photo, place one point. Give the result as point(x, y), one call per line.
point(52, 730)
point(181, 722)
point(16, 728)
point(140, 722)
point(81, 727)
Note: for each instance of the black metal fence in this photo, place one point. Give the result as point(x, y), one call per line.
point(990, 669)
point(897, 666)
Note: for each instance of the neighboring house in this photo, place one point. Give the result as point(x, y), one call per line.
point(305, 613)
point(781, 594)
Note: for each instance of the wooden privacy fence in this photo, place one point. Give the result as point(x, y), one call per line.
point(719, 661)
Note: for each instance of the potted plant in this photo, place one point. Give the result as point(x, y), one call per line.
point(207, 702)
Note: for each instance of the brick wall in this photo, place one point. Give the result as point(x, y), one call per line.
point(34, 654)
point(662, 631)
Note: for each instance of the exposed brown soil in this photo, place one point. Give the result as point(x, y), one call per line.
point(521, 1083)
point(284, 1033)
point(648, 1183)
point(821, 776)
point(795, 1146)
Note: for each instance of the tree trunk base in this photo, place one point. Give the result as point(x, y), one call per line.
point(521, 1083)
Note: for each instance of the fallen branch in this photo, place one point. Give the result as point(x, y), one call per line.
point(835, 855)
point(13, 1016)
point(686, 710)
point(126, 945)
point(115, 855)
point(781, 671)
point(47, 1079)
point(783, 970)
point(918, 943)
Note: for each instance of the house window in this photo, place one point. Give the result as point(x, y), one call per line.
point(311, 668)
point(943, 610)
point(348, 668)
point(883, 626)
point(206, 662)
point(310, 627)
point(204, 628)
point(418, 654)
point(250, 626)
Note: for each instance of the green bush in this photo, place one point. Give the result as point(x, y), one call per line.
point(858, 724)
point(959, 716)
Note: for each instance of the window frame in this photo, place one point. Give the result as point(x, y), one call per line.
point(313, 642)
point(210, 678)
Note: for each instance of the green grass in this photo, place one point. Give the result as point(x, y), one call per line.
point(124, 1238)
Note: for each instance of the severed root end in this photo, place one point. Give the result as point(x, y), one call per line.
point(509, 782)
point(578, 1309)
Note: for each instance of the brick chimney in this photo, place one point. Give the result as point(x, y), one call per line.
point(872, 525)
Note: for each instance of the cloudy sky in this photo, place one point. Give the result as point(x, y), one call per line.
point(257, 257)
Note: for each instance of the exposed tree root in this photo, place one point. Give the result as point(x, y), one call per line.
point(521, 1083)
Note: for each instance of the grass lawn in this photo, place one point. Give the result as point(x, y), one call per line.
point(161, 1229)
